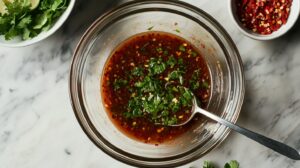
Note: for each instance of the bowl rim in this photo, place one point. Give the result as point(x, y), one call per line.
point(280, 32)
point(43, 35)
point(84, 115)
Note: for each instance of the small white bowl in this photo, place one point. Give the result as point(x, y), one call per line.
point(294, 14)
point(18, 42)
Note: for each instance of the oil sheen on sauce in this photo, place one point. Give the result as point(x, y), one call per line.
point(126, 71)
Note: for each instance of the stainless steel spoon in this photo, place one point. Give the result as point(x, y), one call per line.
point(268, 142)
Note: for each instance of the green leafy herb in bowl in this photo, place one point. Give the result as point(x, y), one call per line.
point(23, 20)
point(231, 164)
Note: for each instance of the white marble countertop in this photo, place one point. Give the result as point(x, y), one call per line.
point(39, 130)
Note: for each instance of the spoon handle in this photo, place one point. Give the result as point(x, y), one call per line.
point(268, 142)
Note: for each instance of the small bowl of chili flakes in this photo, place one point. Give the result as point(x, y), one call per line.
point(264, 19)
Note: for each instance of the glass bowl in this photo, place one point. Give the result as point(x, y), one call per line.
point(194, 25)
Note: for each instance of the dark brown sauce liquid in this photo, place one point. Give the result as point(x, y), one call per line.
point(136, 51)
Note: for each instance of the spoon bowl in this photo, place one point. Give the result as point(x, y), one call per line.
point(268, 142)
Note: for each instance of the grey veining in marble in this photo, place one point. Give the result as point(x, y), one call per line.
point(39, 130)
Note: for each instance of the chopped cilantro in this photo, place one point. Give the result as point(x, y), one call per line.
point(171, 61)
point(181, 65)
point(177, 30)
point(208, 164)
point(159, 49)
point(194, 81)
point(137, 71)
point(194, 54)
point(232, 164)
point(21, 20)
point(150, 28)
point(158, 91)
point(166, 52)
point(175, 74)
point(157, 66)
point(118, 83)
point(182, 48)
point(205, 85)
point(171, 121)
point(180, 61)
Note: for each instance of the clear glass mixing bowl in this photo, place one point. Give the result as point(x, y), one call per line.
point(135, 17)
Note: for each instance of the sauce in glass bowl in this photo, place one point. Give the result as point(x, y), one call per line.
point(148, 84)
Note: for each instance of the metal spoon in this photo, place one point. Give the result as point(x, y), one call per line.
point(270, 143)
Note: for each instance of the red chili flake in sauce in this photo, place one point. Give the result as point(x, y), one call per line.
point(120, 78)
point(263, 16)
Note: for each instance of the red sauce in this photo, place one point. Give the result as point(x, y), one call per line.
point(136, 52)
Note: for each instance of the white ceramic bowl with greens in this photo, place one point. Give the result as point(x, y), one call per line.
point(19, 42)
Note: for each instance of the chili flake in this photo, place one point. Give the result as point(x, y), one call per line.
point(263, 16)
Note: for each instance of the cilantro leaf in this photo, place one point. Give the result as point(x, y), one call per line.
point(232, 164)
point(24, 20)
point(208, 164)
point(157, 66)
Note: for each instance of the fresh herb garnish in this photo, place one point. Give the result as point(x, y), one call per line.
point(171, 61)
point(159, 49)
point(20, 19)
point(208, 164)
point(177, 30)
point(232, 164)
point(157, 66)
point(119, 83)
point(157, 88)
point(166, 52)
point(176, 74)
point(149, 97)
point(182, 48)
point(150, 28)
point(137, 71)
point(194, 81)
point(194, 54)
point(205, 85)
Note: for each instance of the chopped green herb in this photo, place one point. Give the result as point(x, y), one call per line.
point(182, 48)
point(171, 121)
point(134, 108)
point(181, 64)
point(147, 85)
point(157, 66)
point(177, 30)
point(205, 85)
point(166, 52)
point(159, 49)
point(176, 74)
point(22, 20)
point(138, 71)
point(208, 164)
point(156, 101)
point(180, 61)
point(187, 97)
point(194, 54)
point(194, 81)
point(119, 83)
point(232, 164)
point(171, 61)
point(150, 28)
